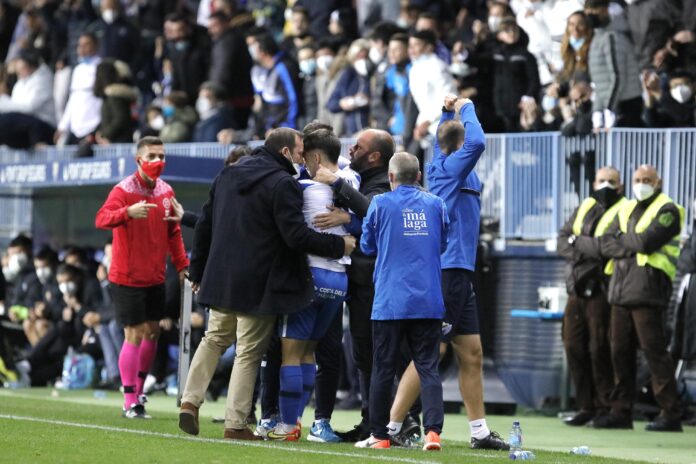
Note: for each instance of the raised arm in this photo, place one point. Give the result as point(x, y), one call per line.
point(462, 162)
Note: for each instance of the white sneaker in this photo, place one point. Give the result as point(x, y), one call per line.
point(372, 442)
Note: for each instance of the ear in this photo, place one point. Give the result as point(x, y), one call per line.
point(374, 157)
point(418, 178)
point(392, 177)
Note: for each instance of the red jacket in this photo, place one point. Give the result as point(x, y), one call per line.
point(140, 246)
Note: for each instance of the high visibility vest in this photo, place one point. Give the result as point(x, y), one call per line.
point(664, 259)
point(604, 222)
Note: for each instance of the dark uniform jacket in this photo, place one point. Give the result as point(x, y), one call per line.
point(373, 182)
point(584, 270)
point(633, 285)
point(684, 337)
point(251, 238)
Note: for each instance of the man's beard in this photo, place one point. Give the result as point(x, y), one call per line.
point(359, 164)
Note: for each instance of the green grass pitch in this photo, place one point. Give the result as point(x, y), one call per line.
point(40, 426)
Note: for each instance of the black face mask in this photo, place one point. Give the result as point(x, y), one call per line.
point(597, 21)
point(606, 196)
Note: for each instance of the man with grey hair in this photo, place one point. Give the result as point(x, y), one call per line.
point(407, 230)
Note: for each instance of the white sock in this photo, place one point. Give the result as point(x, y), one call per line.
point(394, 427)
point(479, 429)
point(287, 428)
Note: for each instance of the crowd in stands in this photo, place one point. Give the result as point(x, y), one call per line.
point(100, 72)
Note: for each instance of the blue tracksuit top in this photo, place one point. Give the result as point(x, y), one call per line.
point(452, 178)
point(407, 230)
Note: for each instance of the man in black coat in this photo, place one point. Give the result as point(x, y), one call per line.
point(249, 264)
point(230, 67)
point(188, 48)
point(370, 158)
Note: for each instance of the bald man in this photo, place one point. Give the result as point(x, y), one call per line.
point(586, 318)
point(643, 242)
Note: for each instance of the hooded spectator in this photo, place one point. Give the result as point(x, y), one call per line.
point(118, 97)
point(230, 68)
point(27, 117)
point(352, 93)
point(214, 115)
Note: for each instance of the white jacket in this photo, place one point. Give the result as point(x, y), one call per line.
point(83, 111)
point(429, 81)
point(32, 95)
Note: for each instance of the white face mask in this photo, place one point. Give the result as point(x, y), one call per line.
point(324, 62)
point(548, 103)
point(643, 191)
point(68, 288)
point(361, 66)
point(681, 93)
point(17, 262)
point(203, 105)
point(9, 274)
point(494, 23)
point(375, 55)
point(109, 16)
point(157, 123)
point(106, 262)
point(43, 274)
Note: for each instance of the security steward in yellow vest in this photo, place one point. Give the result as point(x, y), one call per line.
point(643, 241)
point(586, 318)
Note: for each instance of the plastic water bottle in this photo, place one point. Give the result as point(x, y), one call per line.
point(515, 437)
point(581, 450)
point(521, 455)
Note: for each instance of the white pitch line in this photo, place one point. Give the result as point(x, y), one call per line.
point(214, 440)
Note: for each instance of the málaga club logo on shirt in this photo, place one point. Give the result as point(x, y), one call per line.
point(415, 222)
point(167, 206)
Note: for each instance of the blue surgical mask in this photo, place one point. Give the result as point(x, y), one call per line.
point(308, 66)
point(86, 59)
point(181, 45)
point(576, 43)
point(548, 103)
point(168, 111)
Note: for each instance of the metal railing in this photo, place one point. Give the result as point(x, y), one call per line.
point(532, 182)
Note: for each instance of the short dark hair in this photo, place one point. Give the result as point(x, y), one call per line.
point(331, 43)
point(301, 10)
point(597, 4)
point(48, 255)
point(314, 126)
point(237, 153)
point(384, 30)
point(91, 36)
point(325, 141)
point(280, 138)
point(681, 73)
point(76, 251)
point(216, 89)
point(400, 37)
point(427, 15)
point(30, 56)
point(450, 136)
point(148, 141)
point(426, 36)
point(267, 44)
point(22, 241)
point(176, 18)
point(508, 22)
point(220, 16)
point(383, 143)
point(72, 271)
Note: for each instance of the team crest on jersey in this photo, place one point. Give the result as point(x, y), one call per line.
point(167, 206)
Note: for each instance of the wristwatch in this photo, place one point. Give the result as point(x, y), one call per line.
point(572, 238)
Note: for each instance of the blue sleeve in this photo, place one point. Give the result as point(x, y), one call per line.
point(446, 116)
point(354, 227)
point(368, 241)
point(460, 163)
point(338, 93)
point(445, 228)
point(293, 108)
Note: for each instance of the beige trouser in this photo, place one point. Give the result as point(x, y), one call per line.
point(252, 334)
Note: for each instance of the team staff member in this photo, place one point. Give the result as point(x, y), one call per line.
point(249, 262)
point(407, 230)
point(370, 159)
point(458, 147)
point(586, 317)
point(643, 241)
point(139, 211)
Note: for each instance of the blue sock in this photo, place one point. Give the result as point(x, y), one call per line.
point(309, 373)
point(290, 393)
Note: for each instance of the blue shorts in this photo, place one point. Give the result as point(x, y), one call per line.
point(311, 323)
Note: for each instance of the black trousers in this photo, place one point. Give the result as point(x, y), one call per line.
point(586, 341)
point(20, 130)
point(423, 339)
point(360, 298)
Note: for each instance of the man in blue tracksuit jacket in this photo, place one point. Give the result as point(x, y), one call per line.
point(451, 176)
point(407, 230)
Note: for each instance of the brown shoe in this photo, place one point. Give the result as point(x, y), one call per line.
point(240, 434)
point(188, 418)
